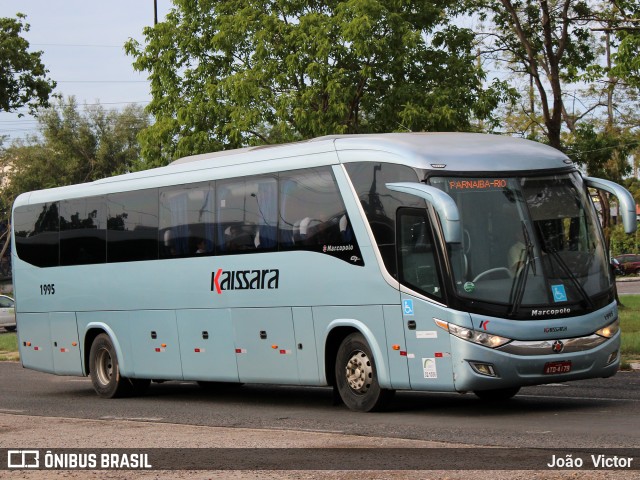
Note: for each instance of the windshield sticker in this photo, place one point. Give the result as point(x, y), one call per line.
point(478, 184)
point(429, 368)
point(469, 287)
point(559, 294)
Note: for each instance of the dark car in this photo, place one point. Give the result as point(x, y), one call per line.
point(630, 262)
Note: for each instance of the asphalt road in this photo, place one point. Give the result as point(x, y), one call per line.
point(596, 413)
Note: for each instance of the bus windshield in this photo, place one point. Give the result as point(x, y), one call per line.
point(527, 242)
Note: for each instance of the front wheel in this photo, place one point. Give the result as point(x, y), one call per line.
point(105, 371)
point(356, 376)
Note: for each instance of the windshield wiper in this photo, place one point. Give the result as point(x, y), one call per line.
point(565, 268)
point(520, 282)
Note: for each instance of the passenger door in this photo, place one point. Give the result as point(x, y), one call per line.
point(428, 347)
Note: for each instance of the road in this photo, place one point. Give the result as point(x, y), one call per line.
point(628, 285)
point(598, 413)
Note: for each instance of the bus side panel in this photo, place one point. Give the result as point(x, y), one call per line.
point(265, 345)
point(368, 320)
point(206, 344)
point(306, 346)
point(398, 368)
point(64, 338)
point(154, 344)
point(34, 337)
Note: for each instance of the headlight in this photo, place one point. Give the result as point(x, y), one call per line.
point(610, 330)
point(481, 338)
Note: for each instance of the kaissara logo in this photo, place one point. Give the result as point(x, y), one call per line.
point(244, 279)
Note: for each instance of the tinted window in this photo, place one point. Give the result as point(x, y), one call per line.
point(83, 231)
point(132, 226)
point(380, 204)
point(186, 220)
point(313, 216)
point(417, 268)
point(36, 232)
point(247, 214)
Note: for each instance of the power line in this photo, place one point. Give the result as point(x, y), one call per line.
point(75, 45)
point(102, 81)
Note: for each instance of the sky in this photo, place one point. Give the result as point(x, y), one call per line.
point(82, 44)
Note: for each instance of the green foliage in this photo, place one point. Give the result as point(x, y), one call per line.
point(627, 60)
point(630, 326)
point(603, 151)
point(73, 147)
point(9, 347)
point(23, 77)
point(230, 73)
point(622, 242)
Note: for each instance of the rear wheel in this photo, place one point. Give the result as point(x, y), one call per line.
point(104, 371)
point(497, 395)
point(356, 376)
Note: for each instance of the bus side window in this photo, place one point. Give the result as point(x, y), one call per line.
point(313, 216)
point(186, 220)
point(37, 234)
point(132, 226)
point(380, 204)
point(247, 214)
point(83, 231)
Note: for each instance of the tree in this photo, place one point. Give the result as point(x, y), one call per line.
point(551, 43)
point(625, 24)
point(602, 149)
point(23, 77)
point(73, 147)
point(230, 73)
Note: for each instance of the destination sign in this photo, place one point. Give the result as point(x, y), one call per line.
point(477, 184)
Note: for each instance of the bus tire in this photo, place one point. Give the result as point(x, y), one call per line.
point(497, 395)
point(104, 370)
point(356, 376)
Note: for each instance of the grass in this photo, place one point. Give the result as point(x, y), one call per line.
point(9, 347)
point(629, 323)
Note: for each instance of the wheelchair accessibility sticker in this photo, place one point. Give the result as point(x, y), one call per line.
point(559, 294)
point(407, 307)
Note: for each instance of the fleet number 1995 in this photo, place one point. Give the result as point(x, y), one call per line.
point(47, 289)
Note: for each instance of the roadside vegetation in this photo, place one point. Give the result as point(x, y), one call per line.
point(9, 347)
point(629, 321)
point(630, 324)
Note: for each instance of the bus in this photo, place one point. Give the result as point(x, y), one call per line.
point(448, 262)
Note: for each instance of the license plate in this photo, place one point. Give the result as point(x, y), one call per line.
point(552, 368)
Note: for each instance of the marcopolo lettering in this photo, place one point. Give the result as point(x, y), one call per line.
point(549, 311)
point(244, 279)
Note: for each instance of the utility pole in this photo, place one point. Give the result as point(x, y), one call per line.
point(155, 12)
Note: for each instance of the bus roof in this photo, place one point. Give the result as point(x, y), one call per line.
point(443, 152)
point(461, 152)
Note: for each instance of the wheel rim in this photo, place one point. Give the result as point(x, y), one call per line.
point(359, 372)
point(104, 367)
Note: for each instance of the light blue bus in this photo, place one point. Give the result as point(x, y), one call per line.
point(447, 262)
